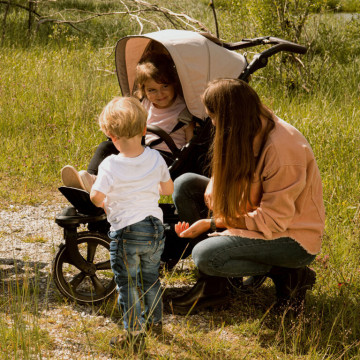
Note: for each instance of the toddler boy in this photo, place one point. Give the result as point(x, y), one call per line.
point(128, 186)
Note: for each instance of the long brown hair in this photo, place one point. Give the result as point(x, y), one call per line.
point(236, 109)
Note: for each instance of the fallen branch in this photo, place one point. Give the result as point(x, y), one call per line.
point(176, 19)
point(212, 5)
point(135, 9)
point(10, 3)
point(179, 16)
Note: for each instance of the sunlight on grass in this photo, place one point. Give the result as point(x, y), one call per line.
point(51, 94)
point(35, 239)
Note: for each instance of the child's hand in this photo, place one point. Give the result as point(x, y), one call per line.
point(180, 227)
point(196, 229)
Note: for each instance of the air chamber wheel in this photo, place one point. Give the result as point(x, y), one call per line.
point(78, 285)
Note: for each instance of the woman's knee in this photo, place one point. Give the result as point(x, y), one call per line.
point(181, 184)
point(202, 257)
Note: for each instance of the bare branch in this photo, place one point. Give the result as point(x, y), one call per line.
point(131, 8)
point(186, 19)
point(134, 16)
point(10, 3)
point(212, 4)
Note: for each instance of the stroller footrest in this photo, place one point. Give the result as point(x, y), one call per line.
point(70, 217)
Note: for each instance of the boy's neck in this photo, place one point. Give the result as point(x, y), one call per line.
point(129, 147)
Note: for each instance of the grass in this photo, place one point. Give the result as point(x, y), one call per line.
point(51, 92)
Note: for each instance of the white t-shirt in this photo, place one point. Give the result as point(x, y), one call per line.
point(166, 119)
point(131, 187)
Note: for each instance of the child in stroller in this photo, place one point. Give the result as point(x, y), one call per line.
point(159, 88)
point(82, 274)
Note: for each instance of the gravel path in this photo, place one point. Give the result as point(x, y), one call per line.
point(29, 239)
point(29, 233)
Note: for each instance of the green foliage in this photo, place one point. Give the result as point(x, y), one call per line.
point(349, 6)
point(341, 46)
point(51, 92)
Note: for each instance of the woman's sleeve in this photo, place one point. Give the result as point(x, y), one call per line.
point(281, 188)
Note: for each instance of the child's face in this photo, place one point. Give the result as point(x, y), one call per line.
point(161, 95)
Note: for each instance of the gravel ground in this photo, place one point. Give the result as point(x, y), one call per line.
point(29, 233)
point(29, 239)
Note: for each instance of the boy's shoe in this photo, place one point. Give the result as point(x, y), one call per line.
point(129, 339)
point(155, 329)
point(80, 180)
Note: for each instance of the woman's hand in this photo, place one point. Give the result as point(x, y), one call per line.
point(197, 228)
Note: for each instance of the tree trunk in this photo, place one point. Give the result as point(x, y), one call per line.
point(4, 22)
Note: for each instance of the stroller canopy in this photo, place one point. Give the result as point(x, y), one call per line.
point(198, 60)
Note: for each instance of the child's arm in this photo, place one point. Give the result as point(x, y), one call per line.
point(97, 198)
point(166, 188)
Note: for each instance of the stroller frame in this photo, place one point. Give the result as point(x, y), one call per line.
point(81, 267)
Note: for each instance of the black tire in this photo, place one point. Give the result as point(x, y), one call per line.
point(75, 284)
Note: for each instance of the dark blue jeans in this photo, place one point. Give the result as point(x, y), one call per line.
point(232, 256)
point(135, 253)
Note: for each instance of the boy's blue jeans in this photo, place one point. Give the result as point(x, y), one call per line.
point(135, 253)
point(232, 256)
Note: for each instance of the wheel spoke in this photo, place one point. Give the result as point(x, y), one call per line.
point(91, 250)
point(77, 280)
point(104, 265)
point(90, 285)
point(99, 288)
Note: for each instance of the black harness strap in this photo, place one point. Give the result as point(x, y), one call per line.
point(185, 114)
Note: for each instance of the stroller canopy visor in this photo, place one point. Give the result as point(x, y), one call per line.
point(198, 60)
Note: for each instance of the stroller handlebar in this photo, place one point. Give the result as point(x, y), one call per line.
point(260, 60)
point(265, 40)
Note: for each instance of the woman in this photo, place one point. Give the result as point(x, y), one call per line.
point(265, 191)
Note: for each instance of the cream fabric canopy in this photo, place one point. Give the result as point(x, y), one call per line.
point(198, 60)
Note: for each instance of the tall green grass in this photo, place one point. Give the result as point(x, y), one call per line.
point(49, 102)
point(51, 92)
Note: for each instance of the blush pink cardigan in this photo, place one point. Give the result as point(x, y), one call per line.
point(286, 192)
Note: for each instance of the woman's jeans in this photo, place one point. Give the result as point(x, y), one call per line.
point(135, 253)
point(232, 256)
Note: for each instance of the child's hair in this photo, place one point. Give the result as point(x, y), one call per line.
point(123, 117)
point(157, 67)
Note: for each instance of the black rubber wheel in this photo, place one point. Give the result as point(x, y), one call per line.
point(77, 285)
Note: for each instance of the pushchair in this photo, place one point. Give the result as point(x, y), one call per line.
point(81, 266)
